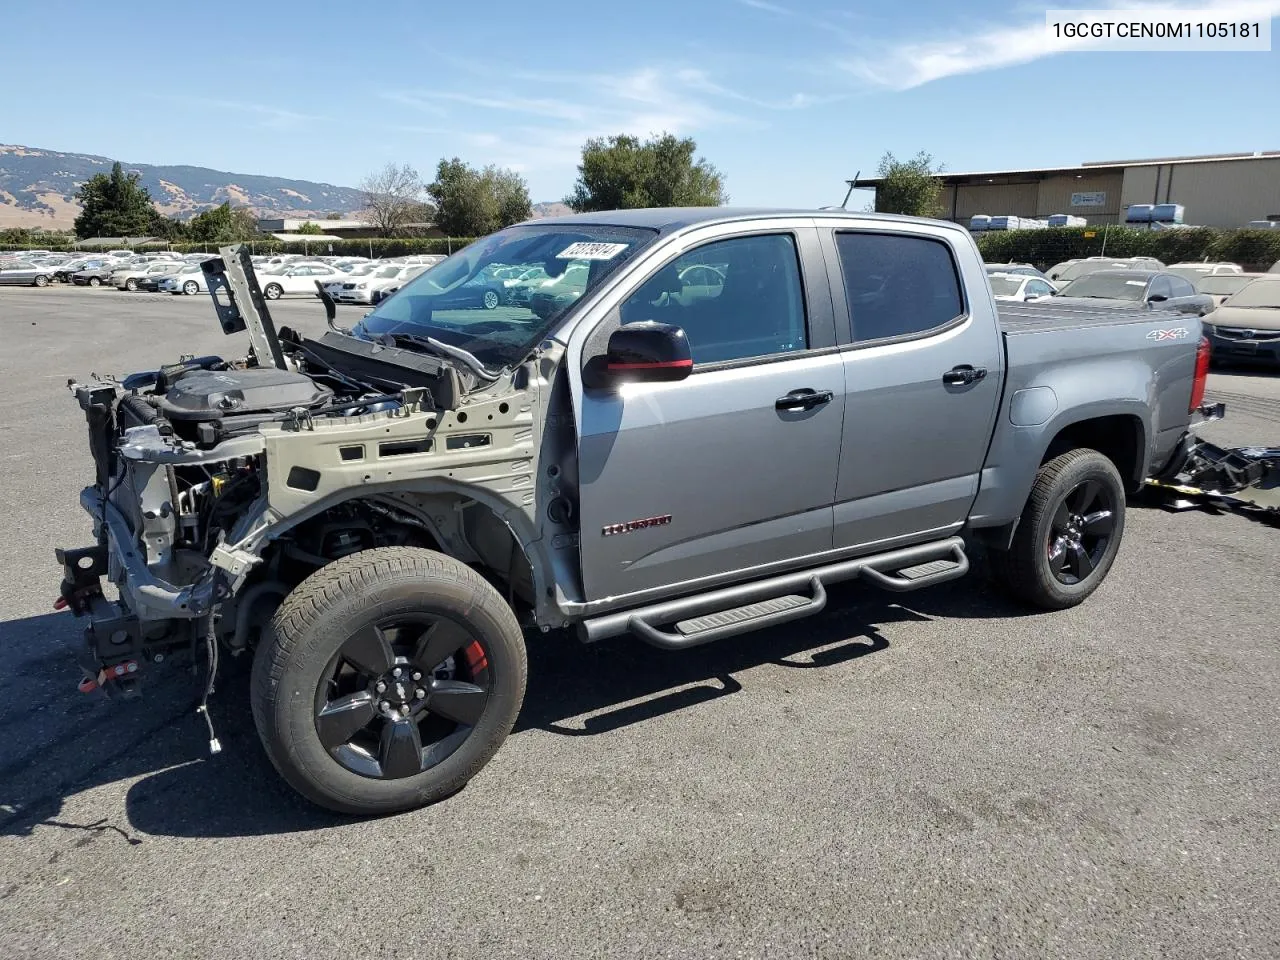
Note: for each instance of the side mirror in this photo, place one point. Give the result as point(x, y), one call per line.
point(1157, 298)
point(647, 352)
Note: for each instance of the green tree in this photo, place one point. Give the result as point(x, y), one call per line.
point(223, 224)
point(910, 186)
point(114, 205)
point(621, 172)
point(471, 203)
point(311, 229)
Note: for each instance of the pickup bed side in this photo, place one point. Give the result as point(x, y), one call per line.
point(1116, 380)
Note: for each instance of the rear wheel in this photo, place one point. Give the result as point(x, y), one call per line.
point(95, 282)
point(387, 680)
point(491, 300)
point(1069, 533)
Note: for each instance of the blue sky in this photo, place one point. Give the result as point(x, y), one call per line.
point(787, 98)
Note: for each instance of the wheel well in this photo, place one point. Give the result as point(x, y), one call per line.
point(451, 524)
point(1119, 438)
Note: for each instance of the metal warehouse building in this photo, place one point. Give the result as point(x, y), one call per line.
point(1222, 190)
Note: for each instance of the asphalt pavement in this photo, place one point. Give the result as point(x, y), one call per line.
point(937, 774)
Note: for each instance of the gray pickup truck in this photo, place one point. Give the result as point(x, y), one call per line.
point(717, 414)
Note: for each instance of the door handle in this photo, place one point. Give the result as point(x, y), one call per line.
point(964, 373)
point(805, 399)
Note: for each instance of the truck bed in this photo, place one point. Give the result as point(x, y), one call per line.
point(1021, 318)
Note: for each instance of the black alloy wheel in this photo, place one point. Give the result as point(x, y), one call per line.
point(1080, 531)
point(402, 694)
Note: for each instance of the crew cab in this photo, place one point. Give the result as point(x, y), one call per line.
point(386, 515)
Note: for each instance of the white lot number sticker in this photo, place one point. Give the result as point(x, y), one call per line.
point(1136, 283)
point(591, 251)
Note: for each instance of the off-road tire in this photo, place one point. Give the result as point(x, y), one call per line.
point(1023, 570)
point(316, 618)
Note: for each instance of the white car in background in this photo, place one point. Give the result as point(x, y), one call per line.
point(1196, 271)
point(130, 279)
point(1019, 286)
point(361, 271)
point(371, 288)
point(187, 280)
point(296, 279)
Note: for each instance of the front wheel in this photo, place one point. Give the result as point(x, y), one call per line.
point(42, 281)
point(273, 291)
point(387, 679)
point(131, 285)
point(1069, 533)
point(95, 282)
point(191, 288)
point(491, 300)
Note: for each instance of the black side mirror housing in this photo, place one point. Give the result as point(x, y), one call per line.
point(646, 352)
point(1157, 298)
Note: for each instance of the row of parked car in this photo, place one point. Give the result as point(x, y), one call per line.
point(350, 280)
point(1240, 310)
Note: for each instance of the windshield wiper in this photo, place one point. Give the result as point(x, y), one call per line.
point(466, 357)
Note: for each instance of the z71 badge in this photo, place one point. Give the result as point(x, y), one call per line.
point(1174, 333)
point(631, 525)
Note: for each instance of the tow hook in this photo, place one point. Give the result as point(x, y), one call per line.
point(116, 671)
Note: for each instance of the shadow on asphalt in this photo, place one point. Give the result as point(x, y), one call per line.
point(71, 743)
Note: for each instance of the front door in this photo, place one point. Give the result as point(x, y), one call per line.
point(728, 473)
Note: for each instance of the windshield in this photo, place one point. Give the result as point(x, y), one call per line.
point(463, 301)
point(1191, 274)
point(1086, 267)
point(1222, 285)
point(1106, 286)
point(1005, 286)
point(1260, 293)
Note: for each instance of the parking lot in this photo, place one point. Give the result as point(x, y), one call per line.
point(921, 775)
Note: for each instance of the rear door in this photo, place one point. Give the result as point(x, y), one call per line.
point(923, 359)
point(736, 474)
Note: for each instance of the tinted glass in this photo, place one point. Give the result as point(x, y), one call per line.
point(735, 299)
point(897, 285)
point(1180, 287)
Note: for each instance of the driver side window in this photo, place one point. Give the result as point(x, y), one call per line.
point(736, 299)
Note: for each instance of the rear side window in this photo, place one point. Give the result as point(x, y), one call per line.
point(897, 286)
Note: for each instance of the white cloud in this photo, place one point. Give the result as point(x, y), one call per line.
point(767, 7)
point(278, 118)
point(911, 64)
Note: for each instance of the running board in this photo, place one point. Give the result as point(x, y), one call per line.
point(765, 603)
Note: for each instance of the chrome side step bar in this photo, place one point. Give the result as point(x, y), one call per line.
point(739, 609)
